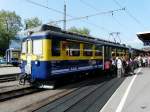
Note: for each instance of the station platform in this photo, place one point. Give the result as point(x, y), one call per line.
point(133, 94)
point(8, 69)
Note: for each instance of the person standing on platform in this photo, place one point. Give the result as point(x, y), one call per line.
point(114, 67)
point(143, 61)
point(119, 67)
point(148, 60)
point(131, 65)
point(123, 65)
point(139, 61)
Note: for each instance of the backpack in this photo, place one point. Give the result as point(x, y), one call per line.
point(107, 65)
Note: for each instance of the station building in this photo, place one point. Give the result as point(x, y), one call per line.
point(145, 38)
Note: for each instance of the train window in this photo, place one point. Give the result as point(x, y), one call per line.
point(119, 50)
point(117, 54)
point(98, 50)
point(87, 50)
point(55, 48)
point(73, 49)
point(113, 53)
point(24, 47)
point(15, 54)
point(113, 50)
point(37, 47)
point(127, 51)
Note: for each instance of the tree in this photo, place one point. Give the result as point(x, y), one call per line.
point(83, 31)
point(10, 24)
point(32, 22)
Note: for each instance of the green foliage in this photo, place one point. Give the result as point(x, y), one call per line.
point(83, 31)
point(32, 22)
point(10, 24)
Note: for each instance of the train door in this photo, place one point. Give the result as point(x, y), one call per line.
point(107, 52)
point(28, 56)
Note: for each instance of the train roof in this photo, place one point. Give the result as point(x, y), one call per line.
point(139, 50)
point(46, 31)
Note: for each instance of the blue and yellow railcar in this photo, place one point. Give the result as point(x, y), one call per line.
point(51, 53)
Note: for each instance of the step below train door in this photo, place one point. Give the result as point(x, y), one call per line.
point(28, 56)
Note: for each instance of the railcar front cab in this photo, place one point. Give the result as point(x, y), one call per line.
point(44, 57)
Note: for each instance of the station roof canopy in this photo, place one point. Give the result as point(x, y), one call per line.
point(144, 36)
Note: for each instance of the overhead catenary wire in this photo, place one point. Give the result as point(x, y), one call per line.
point(82, 18)
point(112, 14)
point(44, 6)
point(92, 7)
point(72, 17)
point(92, 15)
point(118, 22)
point(121, 25)
point(130, 14)
point(78, 18)
point(89, 5)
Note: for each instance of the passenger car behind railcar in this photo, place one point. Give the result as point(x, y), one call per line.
point(13, 56)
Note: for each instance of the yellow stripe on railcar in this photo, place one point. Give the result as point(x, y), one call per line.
point(47, 53)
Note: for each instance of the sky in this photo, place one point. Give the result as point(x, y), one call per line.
point(128, 22)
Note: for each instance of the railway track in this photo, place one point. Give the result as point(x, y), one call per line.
point(81, 96)
point(4, 96)
point(69, 97)
point(9, 77)
point(7, 95)
point(91, 98)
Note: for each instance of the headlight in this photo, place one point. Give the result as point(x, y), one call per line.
point(36, 62)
